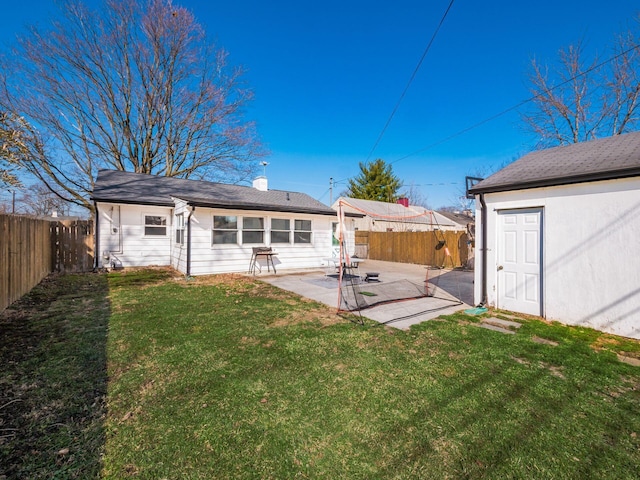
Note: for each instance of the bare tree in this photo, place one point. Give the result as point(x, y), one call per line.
point(580, 100)
point(15, 143)
point(135, 86)
point(39, 200)
point(415, 196)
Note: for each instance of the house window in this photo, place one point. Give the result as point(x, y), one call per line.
point(280, 230)
point(252, 230)
point(180, 229)
point(302, 231)
point(225, 230)
point(155, 225)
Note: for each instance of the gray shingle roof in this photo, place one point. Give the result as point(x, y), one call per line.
point(136, 188)
point(602, 159)
point(393, 212)
point(459, 218)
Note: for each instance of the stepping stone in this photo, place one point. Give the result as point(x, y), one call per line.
point(501, 323)
point(629, 360)
point(544, 341)
point(496, 329)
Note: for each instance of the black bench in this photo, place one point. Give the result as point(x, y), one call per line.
point(371, 277)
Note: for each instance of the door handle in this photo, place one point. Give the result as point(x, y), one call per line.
point(500, 267)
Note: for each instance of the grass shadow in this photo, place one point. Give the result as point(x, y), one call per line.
point(53, 381)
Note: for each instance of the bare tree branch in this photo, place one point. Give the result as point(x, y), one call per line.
point(579, 101)
point(135, 86)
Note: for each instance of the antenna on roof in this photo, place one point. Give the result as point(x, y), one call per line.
point(264, 167)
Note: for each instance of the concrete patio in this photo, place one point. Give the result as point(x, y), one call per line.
point(452, 290)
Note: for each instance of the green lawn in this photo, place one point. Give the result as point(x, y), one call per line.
point(228, 377)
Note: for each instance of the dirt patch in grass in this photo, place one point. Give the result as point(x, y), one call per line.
point(630, 347)
point(227, 279)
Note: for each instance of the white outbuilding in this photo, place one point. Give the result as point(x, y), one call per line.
point(558, 234)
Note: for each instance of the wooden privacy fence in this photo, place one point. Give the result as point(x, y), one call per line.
point(32, 248)
point(415, 247)
point(72, 246)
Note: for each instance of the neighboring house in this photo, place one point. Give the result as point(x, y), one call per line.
point(557, 235)
point(461, 221)
point(200, 227)
point(394, 217)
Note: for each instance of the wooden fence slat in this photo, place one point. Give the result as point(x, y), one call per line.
point(415, 247)
point(31, 248)
point(4, 261)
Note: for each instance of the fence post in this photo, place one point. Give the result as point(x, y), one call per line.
point(32, 248)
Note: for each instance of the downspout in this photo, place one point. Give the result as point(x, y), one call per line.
point(483, 258)
point(96, 239)
point(193, 209)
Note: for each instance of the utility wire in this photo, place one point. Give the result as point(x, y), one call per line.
point(518, 105)
point(413, 76)
point(322, 196)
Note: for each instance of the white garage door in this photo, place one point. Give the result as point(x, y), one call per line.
point(519, 260)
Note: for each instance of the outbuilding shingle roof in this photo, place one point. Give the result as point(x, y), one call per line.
point(603, 159)
point(136, 188)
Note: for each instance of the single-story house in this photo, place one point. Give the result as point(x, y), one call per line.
point(557, 235)
point(394, 217)
point(462, 221)
point(201, 227)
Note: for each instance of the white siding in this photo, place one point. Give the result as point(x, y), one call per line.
point(591, 267)
point(207, 258)
point(122, 235)
point(122, 238)
point(179, 251)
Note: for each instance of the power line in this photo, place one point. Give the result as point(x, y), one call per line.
point(415, 72)
point(323, 195)
point(516, 106)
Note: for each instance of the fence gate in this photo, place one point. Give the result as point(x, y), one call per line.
point(72, 246)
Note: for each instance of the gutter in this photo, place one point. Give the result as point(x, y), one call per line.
point(96, 239)
point(483, 226)
point(188, 273)
point(557, 181)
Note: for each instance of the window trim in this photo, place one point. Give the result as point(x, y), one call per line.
point(164, 225)
point(277, 230)
point(261, 230)
point(214, 229)
point(298, 231)
point(180, 228)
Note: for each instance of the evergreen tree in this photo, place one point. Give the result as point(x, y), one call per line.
point(376, 181)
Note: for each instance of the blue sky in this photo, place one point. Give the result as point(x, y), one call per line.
point(327, 75)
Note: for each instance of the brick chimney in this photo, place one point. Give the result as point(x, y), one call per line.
point(404, 201)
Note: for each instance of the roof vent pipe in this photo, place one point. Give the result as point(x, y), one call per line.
point(260, 183)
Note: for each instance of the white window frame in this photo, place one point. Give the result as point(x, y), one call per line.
point(279, 231)
point(146, 225)
point(252, 230)
point(180, 228)
point(235, 230)
point(297, 231)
